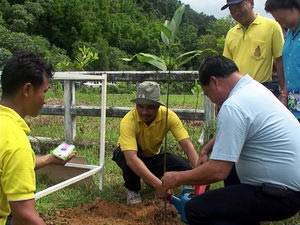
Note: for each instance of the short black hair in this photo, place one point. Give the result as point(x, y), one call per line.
point(272, 5)
point(21, 68)
point(218, 66)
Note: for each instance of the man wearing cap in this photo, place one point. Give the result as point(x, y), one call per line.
point(254, 43)
point(142, 132)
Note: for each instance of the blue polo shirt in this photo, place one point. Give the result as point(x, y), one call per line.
point(291, 65)
point(260, 135)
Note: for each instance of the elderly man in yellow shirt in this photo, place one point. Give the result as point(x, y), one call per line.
point(25, 80)
point(254, 44)
point(142, 132)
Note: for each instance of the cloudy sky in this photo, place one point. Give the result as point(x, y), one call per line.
point(213, 7)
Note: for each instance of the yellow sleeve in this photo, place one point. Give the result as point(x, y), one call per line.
point(127, 138)
point(18, 177)
point(226, 51)
point(176, 127)
point(277, 41)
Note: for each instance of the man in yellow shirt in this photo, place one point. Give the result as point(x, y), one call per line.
point(25, 80)
point(254, 44)
point(142, 132)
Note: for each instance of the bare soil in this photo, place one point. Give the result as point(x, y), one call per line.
point(101, 212)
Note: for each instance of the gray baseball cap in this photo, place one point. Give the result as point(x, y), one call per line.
point(231, 2)
point(148, 93)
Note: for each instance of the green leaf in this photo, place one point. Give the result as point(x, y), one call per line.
point(153, 60)
point(188, 56)
point(178, 15)
point(148, 58)
point(196, 89)
point(176, 20)
point(166, 33)
point(128, 59)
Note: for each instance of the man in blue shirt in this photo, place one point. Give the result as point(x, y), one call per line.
point(287, 13)
point(257, 134)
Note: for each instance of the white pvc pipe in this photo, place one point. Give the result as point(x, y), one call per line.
point(102, 129)
point(66, 183)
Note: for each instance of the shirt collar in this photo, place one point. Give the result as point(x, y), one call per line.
point(8, 112)
point(241, 83)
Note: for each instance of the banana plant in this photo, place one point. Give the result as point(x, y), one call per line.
point(168, 32)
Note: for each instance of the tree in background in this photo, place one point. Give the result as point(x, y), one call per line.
point(57, 28)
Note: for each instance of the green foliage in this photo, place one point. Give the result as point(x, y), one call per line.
point(114, 55)
point(196, 91)
point(63, 65)
point(148, 58)
point(20, 19)
point(169, 32)
point(113, 29)
point(2, 22)
point(13, 41)
point(215, 38)
point(208, 131)
point(220, 27)
point(84, 57)
point(4, 54)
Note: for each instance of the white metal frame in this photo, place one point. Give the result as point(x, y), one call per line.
point(69, 95)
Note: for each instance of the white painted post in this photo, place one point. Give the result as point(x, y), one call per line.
point(102, 129)
point(209, 109)
point(69, 101)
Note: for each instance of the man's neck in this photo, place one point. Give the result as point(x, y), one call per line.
point(11, 103)
point(296, 26)
point(233, 80)
point(251, 19)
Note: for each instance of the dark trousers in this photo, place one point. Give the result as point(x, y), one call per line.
point(241, 204)
point(9, 220)
point(155, 164)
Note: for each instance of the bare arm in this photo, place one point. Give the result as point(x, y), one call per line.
point(44, 160)
point(207, 173)
point(23, 212)
point(281, 80)
point(205, 151)
point(142, 171)
point(189, 150)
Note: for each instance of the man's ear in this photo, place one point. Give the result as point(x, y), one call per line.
point(214, 81)
point(27, 89)
point(251, 2)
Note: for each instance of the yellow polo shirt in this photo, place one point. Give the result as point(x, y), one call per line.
point(134, 132)
point(17, 161)
point(254, 49)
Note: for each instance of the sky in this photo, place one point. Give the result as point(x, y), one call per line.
point(213, 7)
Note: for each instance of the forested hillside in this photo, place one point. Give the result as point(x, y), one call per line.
point(112, 28)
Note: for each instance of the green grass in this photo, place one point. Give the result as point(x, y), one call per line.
point(88, 133)
point(91, 96)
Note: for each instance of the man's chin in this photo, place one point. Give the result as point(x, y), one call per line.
point(147, 120)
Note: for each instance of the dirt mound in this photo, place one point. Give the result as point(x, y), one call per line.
point(102, 212)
